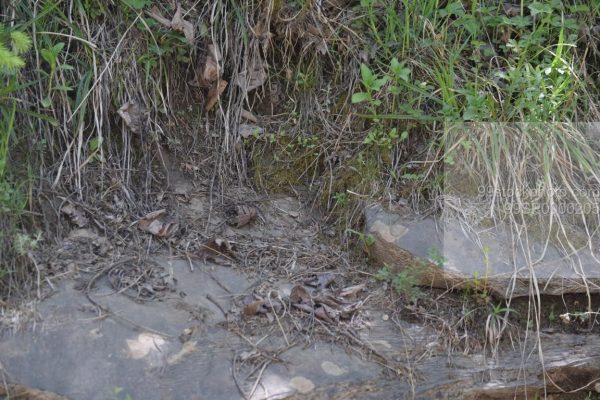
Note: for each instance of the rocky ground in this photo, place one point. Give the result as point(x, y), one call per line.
point(254, 298)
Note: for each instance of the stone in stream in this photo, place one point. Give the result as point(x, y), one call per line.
point(443, 254)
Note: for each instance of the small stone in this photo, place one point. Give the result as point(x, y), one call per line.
point(332, 368)
point(302, 384)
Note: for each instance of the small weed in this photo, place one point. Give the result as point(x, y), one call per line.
point(23, 242)
point(405, 282)
point(117, 394)
point(437, 257)
point(368, 240)
point(552, 315)
point(495, 323)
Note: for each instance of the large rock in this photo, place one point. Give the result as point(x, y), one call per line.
point(484, 258)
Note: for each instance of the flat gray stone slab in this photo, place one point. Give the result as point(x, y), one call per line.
point(74, 353)
point(492, 257)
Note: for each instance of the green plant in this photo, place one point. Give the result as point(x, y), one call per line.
point(494, 325)
point(405, 282)
point(117, 394)
point(552, 315)
point(437, 257)
point(368, 240)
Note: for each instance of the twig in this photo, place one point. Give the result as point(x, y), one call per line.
point(106, 309)
point(216, 303)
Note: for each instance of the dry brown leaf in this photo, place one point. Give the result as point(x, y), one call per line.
point(252, 78)
point(208, 71)
point(152, 224)
point(321, 281)
point(134, 116)
point(76, 215)
point(218, 250)
point(241, 215)
point(254, 308)
point(300, 295)
point(352, 291)
point(177, 23)
point(247, 115)
point(214, 93)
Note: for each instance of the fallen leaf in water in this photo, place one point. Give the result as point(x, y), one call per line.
point(134, 115)
point(214, 93)
point(158, 227)
point(241, 215)
point(177, 23)
point(76, 215)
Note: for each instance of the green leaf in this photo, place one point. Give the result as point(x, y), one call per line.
point(49, 57)
point(367, 76)
point(470, 23)
point(399, 70)
point(63, 88)
point(455, 8)
point(404, 136)
point(137, 4)
point(520, 21)
point(66, 67)
point(359, 97)
point(46, 102)
point(378, 83)
point(539, 8)
point(56, 49)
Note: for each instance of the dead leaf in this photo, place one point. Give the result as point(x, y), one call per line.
point(177, 23)
point(247, 115)
point(187, 348)
point(241, 215)
point(321, 281)
point(254, 308)
point(218, 250)
point(352, 291)
point(252, 78)
point(214, 93)
point(76, 215)
point(158, 227)
point(208, 71)
point(300, 295)
point(134, 116)
point(325, 313)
